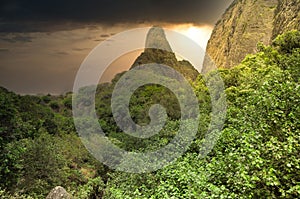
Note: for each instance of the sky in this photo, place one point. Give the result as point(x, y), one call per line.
point(43, 43)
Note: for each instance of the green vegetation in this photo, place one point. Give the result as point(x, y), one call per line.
point(256, 156)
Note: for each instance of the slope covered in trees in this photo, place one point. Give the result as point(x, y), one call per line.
point(257, 155)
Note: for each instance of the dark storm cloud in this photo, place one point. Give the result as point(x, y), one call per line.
point(105, 35)
point(39, 13)
point(81, 49)
point(98, 40)
point(17, 38)
point(61, 53)
point(4, 50)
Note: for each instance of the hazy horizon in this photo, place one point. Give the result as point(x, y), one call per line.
point(41, 54)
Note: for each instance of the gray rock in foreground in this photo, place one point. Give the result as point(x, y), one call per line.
point(58, 193)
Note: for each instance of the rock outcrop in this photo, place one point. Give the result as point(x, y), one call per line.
point(156, 38)
point(58, 193)
point(158, 50)
point(244, 24)
point(287, 17)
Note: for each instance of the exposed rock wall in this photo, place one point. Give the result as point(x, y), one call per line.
point(244, 24)
point(287, 16)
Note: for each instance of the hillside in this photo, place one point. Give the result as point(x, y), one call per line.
point(256, 156)
point(244, 24)
point(157, 51)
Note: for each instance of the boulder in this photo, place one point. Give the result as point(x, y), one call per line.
point(58, 193)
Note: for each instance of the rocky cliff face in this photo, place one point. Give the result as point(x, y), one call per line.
point(244, 24)
point(287, 16)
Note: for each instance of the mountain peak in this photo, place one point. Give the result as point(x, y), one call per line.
point(159, 51)
point(156, 38)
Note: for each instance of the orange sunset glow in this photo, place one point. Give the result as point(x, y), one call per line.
point(199, 34)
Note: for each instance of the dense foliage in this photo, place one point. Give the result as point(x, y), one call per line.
point(256, 156)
